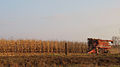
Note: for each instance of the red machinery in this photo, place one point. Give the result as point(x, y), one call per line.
point(99, 46)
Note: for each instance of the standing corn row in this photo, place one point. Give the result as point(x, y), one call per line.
point(39, 46)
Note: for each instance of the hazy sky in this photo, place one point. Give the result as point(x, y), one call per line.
point(73, 20)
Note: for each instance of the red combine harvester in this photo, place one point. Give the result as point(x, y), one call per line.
point(99, 46)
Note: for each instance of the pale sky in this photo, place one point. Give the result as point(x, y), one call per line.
point(71, 20)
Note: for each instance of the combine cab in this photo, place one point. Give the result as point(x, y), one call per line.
point(99, 46)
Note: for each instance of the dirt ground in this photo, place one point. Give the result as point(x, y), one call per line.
point(60, 61)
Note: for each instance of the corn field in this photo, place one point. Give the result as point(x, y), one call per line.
point(39, 46)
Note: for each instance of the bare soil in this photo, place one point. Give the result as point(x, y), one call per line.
point(55, 61)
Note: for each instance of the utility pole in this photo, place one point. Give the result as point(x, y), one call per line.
point(66, 48)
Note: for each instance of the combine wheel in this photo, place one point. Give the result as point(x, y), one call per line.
point(101, 51)
point(107, 51)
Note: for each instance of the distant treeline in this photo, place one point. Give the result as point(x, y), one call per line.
point(39, 46)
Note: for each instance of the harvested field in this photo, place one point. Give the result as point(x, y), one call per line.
point(60, 61)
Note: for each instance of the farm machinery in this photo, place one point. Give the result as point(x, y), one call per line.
point(99, 46)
